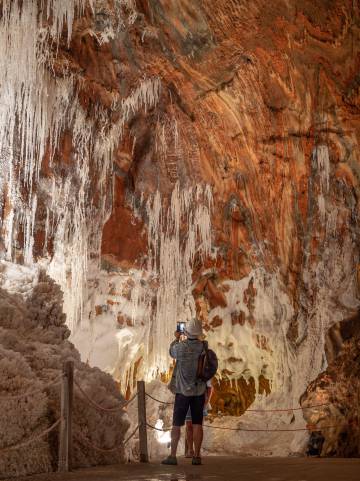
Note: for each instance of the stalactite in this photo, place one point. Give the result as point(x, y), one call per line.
point(35, 108)
point(322, 166)
point(177, 234)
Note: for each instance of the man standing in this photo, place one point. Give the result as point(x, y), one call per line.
point(190, 391)
point(189, 443)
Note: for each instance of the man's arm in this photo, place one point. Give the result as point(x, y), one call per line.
point(174, 346)
point(209, 392)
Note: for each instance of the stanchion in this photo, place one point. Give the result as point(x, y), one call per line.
point(144, 456)
point(65, 442)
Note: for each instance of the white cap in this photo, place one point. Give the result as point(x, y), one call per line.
point(193, 328)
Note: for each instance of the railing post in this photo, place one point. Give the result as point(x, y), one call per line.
point(70, 371)
point(65, 441)
point(144, 456)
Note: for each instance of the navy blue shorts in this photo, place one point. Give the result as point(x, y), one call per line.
point(183, 403)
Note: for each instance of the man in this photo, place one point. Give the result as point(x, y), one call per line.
point(189, 443)
point(190, 391)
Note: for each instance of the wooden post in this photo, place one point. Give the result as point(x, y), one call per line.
point(70, 373)
point(65, 441)
point(144, 456)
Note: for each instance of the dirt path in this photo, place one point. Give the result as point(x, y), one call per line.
point(220, 468)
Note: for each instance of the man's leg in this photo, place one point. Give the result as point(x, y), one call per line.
point(180, 409)
point(197, 413)
point(189, 438)
point(175, 436)
point(198, 439)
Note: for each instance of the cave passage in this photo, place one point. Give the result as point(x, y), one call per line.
point(167, 163)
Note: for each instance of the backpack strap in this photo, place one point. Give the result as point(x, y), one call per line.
point(206, 349)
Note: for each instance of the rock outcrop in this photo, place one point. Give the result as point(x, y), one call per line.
point(336, 424)
point(33, 347)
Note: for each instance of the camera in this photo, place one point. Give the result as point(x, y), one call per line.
point(180, 327)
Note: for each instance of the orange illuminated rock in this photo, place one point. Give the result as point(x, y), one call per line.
point(238, 318)
point(216, 322)
point(214, 295)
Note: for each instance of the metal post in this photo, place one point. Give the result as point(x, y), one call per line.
point(65, 441)
point(144, 456)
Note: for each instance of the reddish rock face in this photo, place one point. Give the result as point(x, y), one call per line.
point(260, 100)
point(254, 98)
point(123, 238)
point(253, 91)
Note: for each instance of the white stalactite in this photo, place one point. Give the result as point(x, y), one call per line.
point(35, 109)
point(177, 234)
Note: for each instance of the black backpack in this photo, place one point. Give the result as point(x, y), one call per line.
point(207, 364)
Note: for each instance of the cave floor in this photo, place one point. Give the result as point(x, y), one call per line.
point(217, 468)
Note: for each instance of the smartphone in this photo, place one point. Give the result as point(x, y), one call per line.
point(180, 327)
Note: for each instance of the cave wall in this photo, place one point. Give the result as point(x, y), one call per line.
point(170, 120)
point(261, 103)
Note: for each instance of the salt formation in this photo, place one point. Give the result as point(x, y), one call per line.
point(36, 108)
point(178, 235)
point(322, 168)
point(34, 344)
point(33, 107)
point(128, 335)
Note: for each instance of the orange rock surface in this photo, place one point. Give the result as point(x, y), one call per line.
point(253, 88)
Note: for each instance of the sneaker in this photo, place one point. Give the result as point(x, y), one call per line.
point(196, 461)
point(170, 460)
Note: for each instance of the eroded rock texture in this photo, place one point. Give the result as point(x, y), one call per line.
point(336, 424)
point(33, 347)
point(261, 102)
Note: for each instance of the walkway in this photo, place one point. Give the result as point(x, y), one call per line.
point(220, 469)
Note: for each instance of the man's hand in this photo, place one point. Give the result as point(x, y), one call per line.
point(177, 334)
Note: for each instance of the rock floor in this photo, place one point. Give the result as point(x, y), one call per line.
point(220, 468)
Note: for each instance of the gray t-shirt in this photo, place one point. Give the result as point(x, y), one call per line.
point(187, 355)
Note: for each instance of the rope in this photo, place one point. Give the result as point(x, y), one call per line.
point(158, 400)
point(101, 408)
point(254, 410)
point(284, 410)
point(311, 429)
point(31, 393)
point(29, 441)
point(110, 450)
point(158, 429)
point(250, 430)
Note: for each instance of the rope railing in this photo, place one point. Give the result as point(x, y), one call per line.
point(31, 393)
point(285, 409)
point(97, 406)
point(158, 400)
point(253, 410)
point(31, 440)
point(310, 428)
point(65, 421)
point(107, 450)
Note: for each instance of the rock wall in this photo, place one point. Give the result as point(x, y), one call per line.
point(33, 347)
point(336, 423)
point(167, 121)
